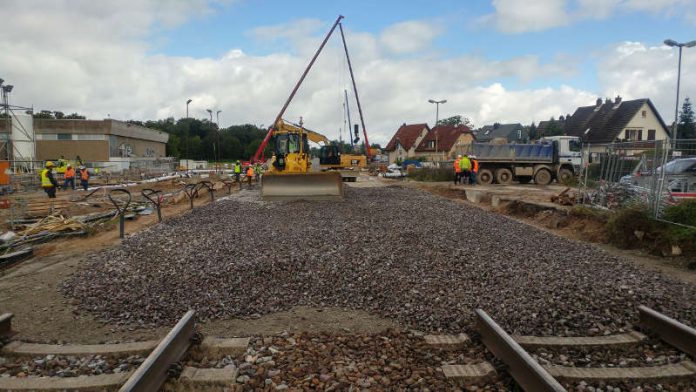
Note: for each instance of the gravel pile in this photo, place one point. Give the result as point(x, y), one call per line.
point(404, 254)
point(67, 366)
point(389, 361)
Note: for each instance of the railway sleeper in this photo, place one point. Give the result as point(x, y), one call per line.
point(684, 369)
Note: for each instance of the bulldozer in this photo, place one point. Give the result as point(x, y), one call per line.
point(290, 174)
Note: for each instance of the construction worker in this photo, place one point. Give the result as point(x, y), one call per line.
point(474, 169)
point(48, 182)
point(69, 177)
point(249, 174)
point(258, 170)
point(237, 171)
point(457, 169)
point(84, 177)
point(465, 166)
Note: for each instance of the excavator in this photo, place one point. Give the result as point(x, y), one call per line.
point(290, 174)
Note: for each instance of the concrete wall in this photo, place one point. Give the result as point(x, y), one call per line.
point(88, 150)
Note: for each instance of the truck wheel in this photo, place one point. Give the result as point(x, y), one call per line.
point(524, 179)
point(485, 177)
point(503, 176)
point(543, 177)
point(565, 175)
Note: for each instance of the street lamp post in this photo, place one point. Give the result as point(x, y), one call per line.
point(217, 115)
point(674, 136)
point(188, 127)
point(437, 117)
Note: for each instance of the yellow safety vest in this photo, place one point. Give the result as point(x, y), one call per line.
point(45, 181)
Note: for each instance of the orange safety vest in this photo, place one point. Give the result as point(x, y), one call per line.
point(475, 165)
point(250, 172)
point(457, 169)
point(69, 173)
point(84, 175)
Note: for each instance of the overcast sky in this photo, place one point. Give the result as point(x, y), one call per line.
point(494, 61)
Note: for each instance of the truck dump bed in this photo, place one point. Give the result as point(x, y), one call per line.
point(522, 153)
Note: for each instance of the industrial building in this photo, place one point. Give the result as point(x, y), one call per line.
point(107, 143)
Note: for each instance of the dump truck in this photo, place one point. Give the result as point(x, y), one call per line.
point(555, 157)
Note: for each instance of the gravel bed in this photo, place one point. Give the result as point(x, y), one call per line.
point(652, 353)
point(681, 386)
point(394, 360)
point(67, 366)
point(404, 254)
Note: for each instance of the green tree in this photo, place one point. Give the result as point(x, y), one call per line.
point(532, 130)
point(74, 116)
point(686, 128)
point(553, 129)
point(456, 121)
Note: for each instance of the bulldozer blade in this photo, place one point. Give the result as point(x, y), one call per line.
point(302, 186)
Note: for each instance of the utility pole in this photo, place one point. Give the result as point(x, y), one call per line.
point(188, 129)
point(437, 117)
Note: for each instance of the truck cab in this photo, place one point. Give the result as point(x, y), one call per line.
point(569, 150)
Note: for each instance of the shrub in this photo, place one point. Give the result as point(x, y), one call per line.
point(622, 226)
point(432, 174)
point(684, 213)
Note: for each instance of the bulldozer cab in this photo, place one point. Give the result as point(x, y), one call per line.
point(329, 155)
point(287, 144)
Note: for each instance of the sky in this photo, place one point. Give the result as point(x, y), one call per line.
point(493, 61)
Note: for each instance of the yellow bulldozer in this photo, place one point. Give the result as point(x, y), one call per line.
point(290, 174)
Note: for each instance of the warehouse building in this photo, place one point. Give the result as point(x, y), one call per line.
point(108, 140)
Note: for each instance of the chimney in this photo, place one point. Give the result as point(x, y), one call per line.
point(607, 100)
point(496, 125)
point(617, 100)
point(599, 102)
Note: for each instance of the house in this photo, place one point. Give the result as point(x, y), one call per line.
point(445, 141)
point(617, 121)
point(513, 133)
point(404, 142)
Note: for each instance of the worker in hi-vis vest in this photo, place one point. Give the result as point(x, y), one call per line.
point(48, 182)
point(69, 178)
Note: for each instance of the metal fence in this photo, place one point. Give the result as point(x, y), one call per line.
point(622, 174)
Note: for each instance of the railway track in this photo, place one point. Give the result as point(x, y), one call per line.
point(531, 361)
point(531, 375)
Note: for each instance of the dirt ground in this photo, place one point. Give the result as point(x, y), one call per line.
point(31, 290)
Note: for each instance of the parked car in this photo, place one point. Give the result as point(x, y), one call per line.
point(393, 171)
point(680, 177)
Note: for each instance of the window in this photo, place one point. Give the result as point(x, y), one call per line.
point(574, 145)
point(644, 113)
point(519, 134)
point(431, 144)
point(65, 136)
point(631, 135)
point(640, 134)
point(651, 134)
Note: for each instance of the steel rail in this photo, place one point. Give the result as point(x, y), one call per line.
point(670, 330)
point(522, 367)
point(153, 372)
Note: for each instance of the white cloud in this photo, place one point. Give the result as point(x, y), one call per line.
point(89, 68)
point(515, 16)
point(407, 37)
point(518, 16)
point(634, 70)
